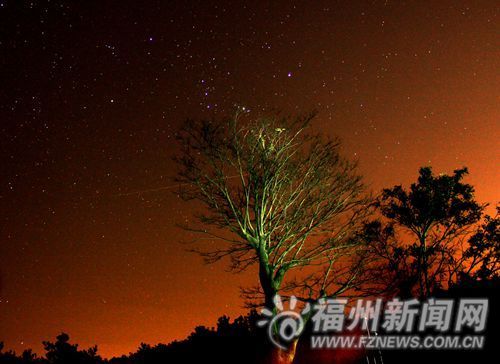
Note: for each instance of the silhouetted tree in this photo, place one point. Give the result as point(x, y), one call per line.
point(229, 342)
point(423, 233)
point(241, 341)
point(481, 259)
point(275, 196)
point(62, 352)
point(27, 357)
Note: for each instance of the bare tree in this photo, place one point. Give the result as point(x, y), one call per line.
point(277, 196)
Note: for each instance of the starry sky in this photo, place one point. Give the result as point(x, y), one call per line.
point(91, 96)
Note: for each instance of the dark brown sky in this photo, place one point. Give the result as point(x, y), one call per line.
point(91, 96)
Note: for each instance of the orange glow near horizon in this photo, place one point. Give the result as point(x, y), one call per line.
point(90, 113)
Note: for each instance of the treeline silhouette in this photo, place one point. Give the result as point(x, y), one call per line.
point(242, 341)
point(430, 240)
point(239, 341)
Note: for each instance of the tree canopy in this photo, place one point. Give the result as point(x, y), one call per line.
point(275, 195)
point(423, 234)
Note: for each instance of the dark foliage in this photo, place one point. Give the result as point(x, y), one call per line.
point(448, 253)
point(238, 341)
point(426, 238)
point(241, 341)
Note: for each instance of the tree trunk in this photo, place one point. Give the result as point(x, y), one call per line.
point(280, 356)
point(267, 285)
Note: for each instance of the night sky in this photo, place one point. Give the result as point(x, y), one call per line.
point(92, 93)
